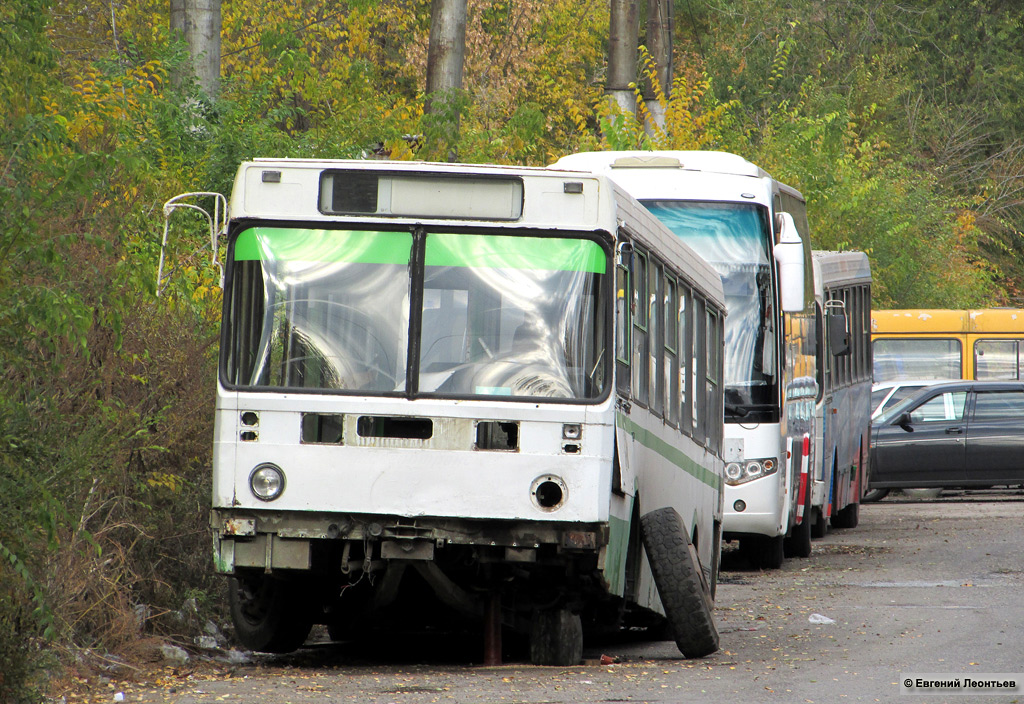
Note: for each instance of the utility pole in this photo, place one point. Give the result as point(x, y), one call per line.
point(660, 26)
point(446, 54)
point(623, 43)
point(198, 22)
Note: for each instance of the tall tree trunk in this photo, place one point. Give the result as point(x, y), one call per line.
point(198, 22)
point(622, 47)
point(177, 34)
point(178, 19)
point(660, 26)
point(446, 55)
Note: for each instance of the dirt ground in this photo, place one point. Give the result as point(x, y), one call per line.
point(920, 587)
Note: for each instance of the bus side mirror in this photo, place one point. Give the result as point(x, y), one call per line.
point(838, 334)
point(789, 256)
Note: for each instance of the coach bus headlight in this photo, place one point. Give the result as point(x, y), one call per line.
point(748, 470)
point(266, 482)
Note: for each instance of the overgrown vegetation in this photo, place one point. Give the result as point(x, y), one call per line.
point(901, 123)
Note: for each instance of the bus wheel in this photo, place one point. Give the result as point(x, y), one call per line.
point(875, 495)
point(848, 517)
point(820, 525)
point(348, 616)
point(798, 544)
point(556, 638)
point(763, 552)
point(270, 615)
point(684, 591)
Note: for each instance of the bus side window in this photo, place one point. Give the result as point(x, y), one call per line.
point(715, 411)
point(699, 371)
point(671, 367)
point(865, 331)
point(846, 296)
point(623, 325)
point(822, 349)
point(996, 359)
point(685, 398)
point(640, 327)
point(656, 344)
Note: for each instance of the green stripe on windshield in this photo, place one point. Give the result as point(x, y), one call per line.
point(305, 245)
point(511, 252)
point(443, 249)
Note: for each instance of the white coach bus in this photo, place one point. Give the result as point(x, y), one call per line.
point(842, 293)
point(753, 230)
point(477, 394)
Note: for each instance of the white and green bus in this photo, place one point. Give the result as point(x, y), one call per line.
point(490, 396)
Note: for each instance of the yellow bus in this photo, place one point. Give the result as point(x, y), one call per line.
point(948, 344)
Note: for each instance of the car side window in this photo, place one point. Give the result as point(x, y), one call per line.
point(945, 407)
point(999, 405)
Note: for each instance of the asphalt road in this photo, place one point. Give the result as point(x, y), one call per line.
point(920, 587)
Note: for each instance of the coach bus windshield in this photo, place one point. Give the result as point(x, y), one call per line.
point(491, 315)
point(734, 239)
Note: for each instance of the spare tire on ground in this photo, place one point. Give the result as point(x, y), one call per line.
point(684, 591)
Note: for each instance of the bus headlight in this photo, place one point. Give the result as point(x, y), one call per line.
point(749, 470)
point(266, 482)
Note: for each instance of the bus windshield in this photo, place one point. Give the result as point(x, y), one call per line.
point(733, 237)
point(491, 315)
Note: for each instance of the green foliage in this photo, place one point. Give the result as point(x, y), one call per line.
point(902, 133)
point(912, 111)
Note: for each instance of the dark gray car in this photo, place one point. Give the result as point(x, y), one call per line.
point(962, 434)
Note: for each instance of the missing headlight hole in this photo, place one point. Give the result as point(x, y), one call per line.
point(549, 492)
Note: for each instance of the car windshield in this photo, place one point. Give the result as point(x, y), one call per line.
point(898, 394)
point(497, 315)
point(893, 411)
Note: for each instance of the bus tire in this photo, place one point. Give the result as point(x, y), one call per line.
point(270, 614)
point(348, 617)
point(848, 517)
point(873, 495)
point(684, 591)
point(798, 544)
point(763, 552)
point(556, 638)
point(820, 526)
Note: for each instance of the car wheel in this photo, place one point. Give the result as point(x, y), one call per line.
point(874, 495)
